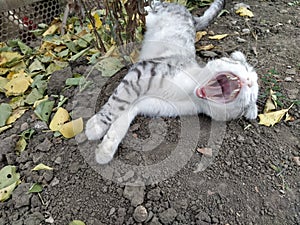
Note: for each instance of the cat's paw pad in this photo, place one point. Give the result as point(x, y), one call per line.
point(106, 150)
point(95, 129)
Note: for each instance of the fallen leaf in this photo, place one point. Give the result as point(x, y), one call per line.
point(5, 112)
point(297, 160)
point(35, 188)
point(9, 59)
point(21, 145)
point(33, 96)
point(243, 11)
point(36, 65)
point(44, 109)
point(218, 37)
point(2, 129)
point(76, 222)
point(109, 66)
point(205, 48)
point(16, 114)
point(72, 128)
point(3, 82)
point(52, 29)
point(42, 166)
point(199, 35)
point(9, 179)
point(60, 117)
point(271, 118)
point(18, 84)
point(205, 151)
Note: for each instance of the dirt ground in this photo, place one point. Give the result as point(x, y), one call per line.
point(252, 178)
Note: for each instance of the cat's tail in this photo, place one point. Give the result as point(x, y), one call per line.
point(208, 16)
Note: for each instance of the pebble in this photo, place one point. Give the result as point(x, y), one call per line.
point(54, 182)
point(155, 221)
point(112, 211)
point(135, 194)
point(241, 40)
point(20, 196)
point(291, 71)
point(140, 214)
point(168, 216)
point(44, 146)
point(246, 31)
point(58, 160)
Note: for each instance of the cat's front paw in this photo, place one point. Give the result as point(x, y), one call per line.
point(251, 112)
point(106, 150)
point(95, 128)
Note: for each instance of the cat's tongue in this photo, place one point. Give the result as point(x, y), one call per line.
point(222, 89)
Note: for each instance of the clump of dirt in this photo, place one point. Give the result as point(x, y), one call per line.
point(254, 178)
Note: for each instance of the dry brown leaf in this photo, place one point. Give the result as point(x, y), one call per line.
point(205, 48)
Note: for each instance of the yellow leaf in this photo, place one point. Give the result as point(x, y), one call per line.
point(199, 35)
point(243, 11)
point(16, 115)
point(21, 145)
point(271, 102)
point(2, 129)
point(205, 48)
point(39, 101)
point(218, 37)
point(9, 59)
point(42, 166)
point(60, 117)
point(71, 129)
point(3, 82)
point(17, 86)
point(271, 118)
point(98, 22)
point(52, 29)
point(6, 192)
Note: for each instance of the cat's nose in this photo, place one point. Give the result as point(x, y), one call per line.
point(249, 82)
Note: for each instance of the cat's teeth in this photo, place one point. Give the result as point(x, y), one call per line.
point(232, 78)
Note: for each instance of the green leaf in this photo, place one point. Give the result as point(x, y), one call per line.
point(81, 53)
point(109, 66)
point(52, 68)
point(36, 66)
point(33, 96)
point(71, 45)
point(39, 83)
point(9, 179)
point(44, 109)
point(42, 166)
point(35, 188)
point(21, 145)
point(76, 222)
point(27, 134)
point(63, 53)
point(26, 50)
point(3, 82)
point(5, 112)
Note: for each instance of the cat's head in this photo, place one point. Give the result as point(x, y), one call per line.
point(231, 89)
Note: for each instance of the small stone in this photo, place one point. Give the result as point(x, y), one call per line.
point(48, 175)
point(291, 71)
point(112, 211)
point(34, 219)
point(246, 31)
point(128, 175)
point(135, 194)
point(54, 182)
point(44, 146)
point(140, 214)
point(168, 216)
point(241, 40)
point(288, 79)
point(155, 221)
point(20, 196)
point(24, 126)
point(58, 160)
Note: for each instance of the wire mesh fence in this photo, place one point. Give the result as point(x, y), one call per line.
point(18, 18)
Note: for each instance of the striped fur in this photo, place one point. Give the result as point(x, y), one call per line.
point(166, 79)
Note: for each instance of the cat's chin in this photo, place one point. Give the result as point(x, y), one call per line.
point(222, 88)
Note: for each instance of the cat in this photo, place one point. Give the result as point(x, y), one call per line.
point(167, 81)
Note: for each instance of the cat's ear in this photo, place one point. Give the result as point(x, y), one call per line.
point(238, 56)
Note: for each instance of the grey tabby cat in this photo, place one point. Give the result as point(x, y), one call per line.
point(167, 81)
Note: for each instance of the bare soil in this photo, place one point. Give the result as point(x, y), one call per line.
point(254, 177)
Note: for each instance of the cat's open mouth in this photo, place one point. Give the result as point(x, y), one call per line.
point(223, 88)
